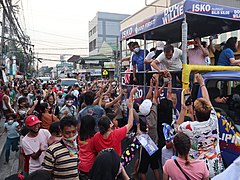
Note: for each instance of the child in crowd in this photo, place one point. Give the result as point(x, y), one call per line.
point(56, 134)
point(12, 128)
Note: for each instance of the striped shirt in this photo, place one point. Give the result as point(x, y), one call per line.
point(60, 163)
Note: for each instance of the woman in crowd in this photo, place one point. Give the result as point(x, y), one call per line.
point(182, 167)
point(86, 153)
point(109, 138)
point(203, 132)
point(226, 57)
point(106, 166)
point(46, 117)
point(54, 109)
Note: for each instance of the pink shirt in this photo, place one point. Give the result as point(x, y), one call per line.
point(197, 169)
point(196, 56)
point(113, 141)
point(86, 155)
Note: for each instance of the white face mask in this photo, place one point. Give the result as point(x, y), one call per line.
point(10, 122)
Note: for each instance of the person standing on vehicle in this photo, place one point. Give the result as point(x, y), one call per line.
point(216, 52)
point(204, 132)
point(129, 58)
point(154, 53)
point(226, 57)
point(138, 65)
point(170, 58)
point(197, 54)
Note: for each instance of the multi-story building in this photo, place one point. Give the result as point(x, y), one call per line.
point(104, 27)
point(104, 30)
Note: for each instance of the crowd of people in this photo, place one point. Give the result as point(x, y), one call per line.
point(79, 134)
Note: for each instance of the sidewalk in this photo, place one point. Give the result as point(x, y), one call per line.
point(2, 136)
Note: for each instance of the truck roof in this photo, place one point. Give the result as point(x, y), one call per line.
point(222, 75)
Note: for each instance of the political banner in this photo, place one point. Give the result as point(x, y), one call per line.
point(229, 139)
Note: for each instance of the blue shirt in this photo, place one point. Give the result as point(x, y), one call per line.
point(12, 130)
point(93, 110)
point(138, 59)
point(224, 58)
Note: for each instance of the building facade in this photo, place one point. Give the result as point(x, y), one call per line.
point(104, 27)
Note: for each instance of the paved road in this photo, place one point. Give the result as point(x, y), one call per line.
point(10, 168)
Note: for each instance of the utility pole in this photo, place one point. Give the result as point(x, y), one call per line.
point(2, 36)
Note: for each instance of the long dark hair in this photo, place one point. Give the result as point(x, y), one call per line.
point(182, 144)
point(87, 127)
point(231, 43)
point(106, 165)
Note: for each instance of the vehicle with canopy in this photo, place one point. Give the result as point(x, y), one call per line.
point(182, 22)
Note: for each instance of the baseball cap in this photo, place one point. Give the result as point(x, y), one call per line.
point(145, 107)
point(32, 120)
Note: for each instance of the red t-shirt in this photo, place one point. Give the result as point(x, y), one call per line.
point(113, 141)
point(87, 155)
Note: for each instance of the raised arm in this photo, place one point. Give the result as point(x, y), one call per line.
point(130, 107)
point(155, 96)
point(149, 94)
point(205, 94)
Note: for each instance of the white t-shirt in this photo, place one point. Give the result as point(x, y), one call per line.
point(205, 142)
point(174, 63)
point(130, 61)
point(150, 56)
point(31, 145)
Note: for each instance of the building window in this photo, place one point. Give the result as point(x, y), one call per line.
point(92, 45)
point(94, 30)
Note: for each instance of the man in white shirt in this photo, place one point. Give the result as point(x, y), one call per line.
point(154, 53)
point(34, 143)
point(170, 58)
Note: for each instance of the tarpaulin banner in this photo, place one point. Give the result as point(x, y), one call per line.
point(213, 10)
point(169, 15)
point(176, 12)
point(229, 140)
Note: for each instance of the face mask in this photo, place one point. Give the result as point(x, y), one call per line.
point(71, 144)
point(69, 102)
point(136, 50)
point(10, 122)
point(25, 94)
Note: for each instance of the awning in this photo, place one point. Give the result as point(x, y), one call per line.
point(203, 19)
point(74, 58)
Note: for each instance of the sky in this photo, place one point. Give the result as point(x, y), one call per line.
point(61, 26)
